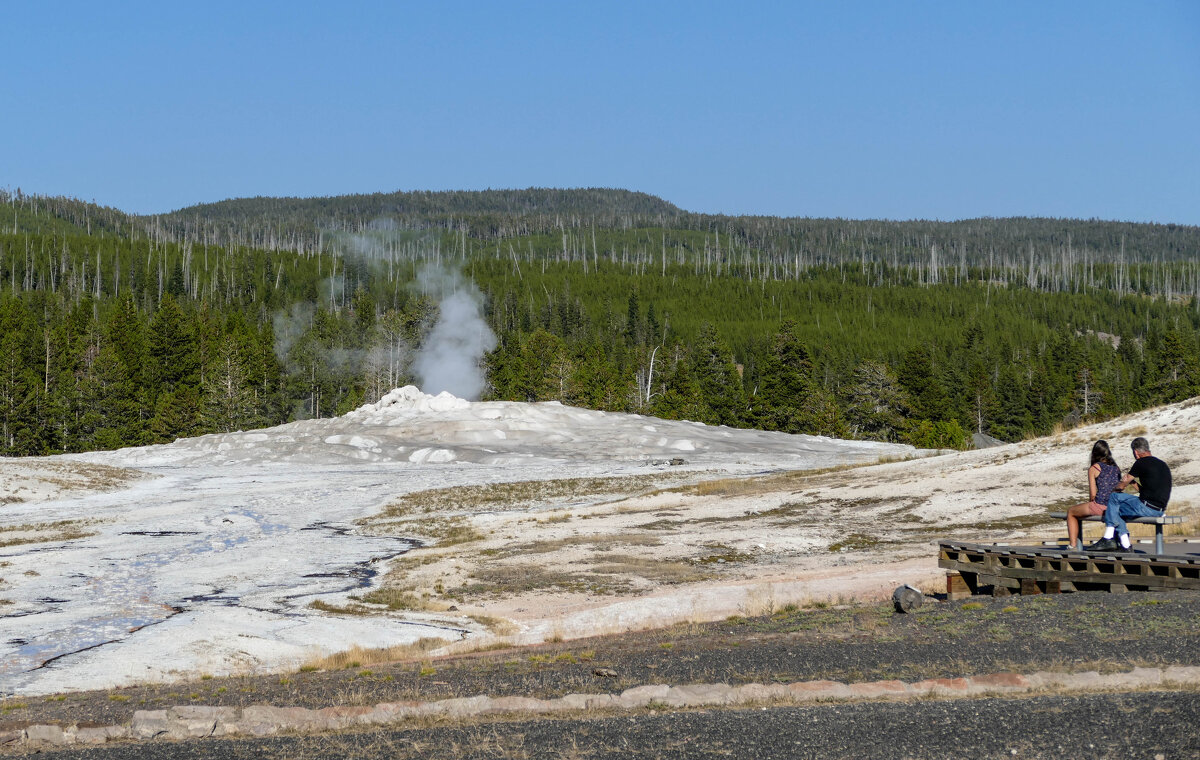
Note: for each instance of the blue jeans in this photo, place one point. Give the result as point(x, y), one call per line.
point(1122, 505)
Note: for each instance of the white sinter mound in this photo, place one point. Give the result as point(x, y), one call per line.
point(210, 564)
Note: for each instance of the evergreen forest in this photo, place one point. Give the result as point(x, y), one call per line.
point(122, 330)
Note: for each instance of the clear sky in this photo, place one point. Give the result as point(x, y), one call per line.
point(889, 109)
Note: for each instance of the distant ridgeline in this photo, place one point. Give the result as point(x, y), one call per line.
point(123, 330)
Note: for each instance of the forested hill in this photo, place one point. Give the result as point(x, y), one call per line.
point(65, 216)
point(648, 224)
point(634, 226)
point(364, 207)
point(298, 223)
point(122, 330)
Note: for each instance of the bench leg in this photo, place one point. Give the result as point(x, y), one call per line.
point(1079, 541)
point(1158, 539)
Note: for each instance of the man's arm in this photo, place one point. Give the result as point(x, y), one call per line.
point(1130, 478)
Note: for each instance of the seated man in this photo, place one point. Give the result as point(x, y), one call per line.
point(1153, 481)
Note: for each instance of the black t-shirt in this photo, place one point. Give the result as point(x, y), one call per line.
point(1154, 481)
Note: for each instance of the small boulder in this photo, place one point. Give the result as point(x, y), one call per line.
point(906, 598)
point(47, 734)
point(148, 724)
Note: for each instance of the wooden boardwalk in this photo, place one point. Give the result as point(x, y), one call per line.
point(1004, 570)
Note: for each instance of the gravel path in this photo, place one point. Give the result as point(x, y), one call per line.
point(1038, 727)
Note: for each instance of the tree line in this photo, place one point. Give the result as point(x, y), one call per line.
point(120, 337)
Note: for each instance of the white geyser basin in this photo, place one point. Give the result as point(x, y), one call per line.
point(209, 566)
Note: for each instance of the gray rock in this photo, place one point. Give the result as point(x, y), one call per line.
point(344, 716)
point(148, 724)
point(117, 732)
point(515, 705)
point(698, 695)
point(814, 690)
point(906, 598)
point(91, 735)
point(757, 692)
point(984, 441)
point(461, 707)
point(589, 701)
point(261, 720)
point(47, 734)
point(640, 696)
point(189, 721)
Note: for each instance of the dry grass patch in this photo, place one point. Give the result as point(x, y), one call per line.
point(855, 542)
point(27, 480)
point(778, 481)
point(39, 533)
point(519, 495)
point(662, 525)
point(606, 542)
point(380, 601)
point(652, 570)
point(350, 609)
point(731, 487)
point(443, 532)
point(394, 599)
point(357, 657)
point(498, 626)
point(1026, 522)
point(600, 542)
point(500, 580)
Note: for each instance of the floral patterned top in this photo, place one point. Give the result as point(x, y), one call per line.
point(1106, 481)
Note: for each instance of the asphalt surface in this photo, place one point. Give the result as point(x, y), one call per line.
point(1137, 725)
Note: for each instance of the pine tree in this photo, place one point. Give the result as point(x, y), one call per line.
point(1010, 418)
point(681, 397)
point(1175, 367)
point(228, 400)
point(545, 368)
point(917, 377)
point(176, 415)
point(174, 351)
point(786, 398)
point(633, 320)
point(111, 413)
point(595, 383)
point(717, 377)
point(876, 405)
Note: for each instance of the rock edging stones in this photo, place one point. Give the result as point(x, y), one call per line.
point(198, 721)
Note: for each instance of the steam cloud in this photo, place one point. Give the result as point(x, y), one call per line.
point(450, 357)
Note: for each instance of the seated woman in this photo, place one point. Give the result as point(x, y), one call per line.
point(1103, 478)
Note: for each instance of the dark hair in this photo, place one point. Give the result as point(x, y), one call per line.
point(1140, 444)
point(1101, 453)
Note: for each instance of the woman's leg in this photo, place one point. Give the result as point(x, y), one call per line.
point(1073, 522)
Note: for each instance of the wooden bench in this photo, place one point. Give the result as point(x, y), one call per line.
point(1157, 522)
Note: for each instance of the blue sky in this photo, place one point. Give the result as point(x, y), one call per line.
point(866, 110)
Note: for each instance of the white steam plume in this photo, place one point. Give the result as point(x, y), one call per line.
point(450, 358)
